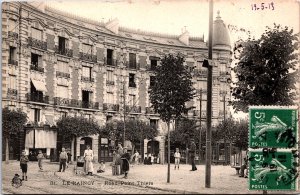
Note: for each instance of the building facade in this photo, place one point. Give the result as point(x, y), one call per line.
point(56, 64)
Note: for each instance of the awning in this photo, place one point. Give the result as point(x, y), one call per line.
point(39, 85)
point(43, 139)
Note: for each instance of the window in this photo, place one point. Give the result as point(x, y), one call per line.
point(86, 72)
point(12, 24)
point(63, 114)
point(152, 81)
point(36, 33)
point(153, 123)
point(12, 55)
point(12, 82)
point(110, 98)
point(153, 64)
point(63, 66)
point(62, 91)
point(36, 60)
point(131, 80)
point(36, 115)
point(86, 48)
point(62, 44)
point(108, 118)
point(110, 77)
point(131, 99)
point(109, 56)
point(132, 60)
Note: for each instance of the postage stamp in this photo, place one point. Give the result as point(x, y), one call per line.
point(272, 170)
point(273, 127)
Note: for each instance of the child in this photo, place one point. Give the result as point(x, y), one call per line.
point(102, 167)
point(16, 181)
point(177, 158)
point(23, 165)
point(40, 158)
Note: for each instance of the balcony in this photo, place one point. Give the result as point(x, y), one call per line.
point(200, 73)
point(197, 113)
point(13, 62)
point(36, 68)
point(132, 84)
point(13, 35)
point(37, 43)
point(87, 57)
point(110, 62)
point(64, 52)
point(37, 97)
point(87, 79)
point(110, 107)
point(62, 74)
point(150, 110)
point(133, 109)
point(12, 92)
point(75, 103)
point(110, 82)
point(61, 101)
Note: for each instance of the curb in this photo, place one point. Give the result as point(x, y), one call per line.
point(152, 187)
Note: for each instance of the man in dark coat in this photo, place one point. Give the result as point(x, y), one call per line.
point(192, 154)
point(125, 159)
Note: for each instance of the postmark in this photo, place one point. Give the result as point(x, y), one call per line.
point(274, 127)
point(272, 170)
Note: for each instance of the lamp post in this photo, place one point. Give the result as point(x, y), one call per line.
point(200, 125)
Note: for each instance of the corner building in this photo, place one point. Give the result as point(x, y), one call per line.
point(55, 64)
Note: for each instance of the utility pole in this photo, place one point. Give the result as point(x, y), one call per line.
point(200, 125)
point(209, 101)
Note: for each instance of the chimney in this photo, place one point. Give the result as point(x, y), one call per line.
point(184, 37)
point(113, 25)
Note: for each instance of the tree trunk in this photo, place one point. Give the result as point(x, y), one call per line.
point(168, 178)
point(6, 151)
point(72, 149)
point(225, 151)
point(230, 152)
point(186, 154)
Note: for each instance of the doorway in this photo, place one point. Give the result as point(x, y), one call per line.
point(84, 142)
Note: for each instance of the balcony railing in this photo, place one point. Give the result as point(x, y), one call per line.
point(12, 92)
point(75, 103)
point(37, 97)
point(62, 74)
point(150, 110)
point(197, 113)
point(132, 84)
point(13, 62)
point(110, 62)
point(13, 34)
point(36, 68)
point(87, 57)
point(37, 43)
point(133, 109)
point(200, 73)
point(87, 79)
point(64, 52)
point(110, 82)
point(110, 107)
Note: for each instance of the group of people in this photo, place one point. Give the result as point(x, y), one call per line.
point(192, 152)
point(150, 159)
point(123, 158)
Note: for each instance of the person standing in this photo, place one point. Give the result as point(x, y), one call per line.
point(62, 160)
point(88, 157)
point(23, 164)
point(40, 158)
point(177, 157)
point(136, 157)
point(193, 153)
point(125, 159)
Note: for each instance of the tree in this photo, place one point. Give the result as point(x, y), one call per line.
point(171, 90)
point(13, 122)
point(71, 127)
point(266, 69)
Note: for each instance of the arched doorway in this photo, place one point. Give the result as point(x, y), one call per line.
point(153, 147)
point(84, 142)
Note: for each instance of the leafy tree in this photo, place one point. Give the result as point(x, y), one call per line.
point(71, 127)
point(241, 135)
point(266, 69)
point(13, 122)
point(171, 90)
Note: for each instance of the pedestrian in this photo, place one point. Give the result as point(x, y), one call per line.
point(88, 157)
point(40, 158)
point(136, 157)
point(23, 164)
point(152, 158)
point(177, 157)
point(192, 154)
point(101, 167)
point(244, 167)
point(62, 160)
point(118, 158)
point(69, 157)
point(125, 159)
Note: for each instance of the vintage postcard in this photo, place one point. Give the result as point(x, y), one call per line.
point(150, 96)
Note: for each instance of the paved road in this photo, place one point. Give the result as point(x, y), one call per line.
point(51, 182)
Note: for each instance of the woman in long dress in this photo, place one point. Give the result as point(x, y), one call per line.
point(88, 157)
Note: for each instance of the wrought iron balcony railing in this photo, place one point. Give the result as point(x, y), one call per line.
point(36, 68)
point(110, 62)
point(75, 103)
point(12, 92)
point(110, 107)
point(200, 73)
point(87, 57)
point(62, 74)
point(37, 97)
point(133, 109)
point(197, 113)
point(37, 43)
point(13, 34)
point(13, 62)
point(150, 110)
point(64, 52)
point(87, 79)
point(110, 82)
point(61, 101)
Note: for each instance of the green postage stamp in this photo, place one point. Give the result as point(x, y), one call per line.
point(274, 127)
point(272, 170)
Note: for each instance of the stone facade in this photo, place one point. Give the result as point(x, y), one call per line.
point(43, 38)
